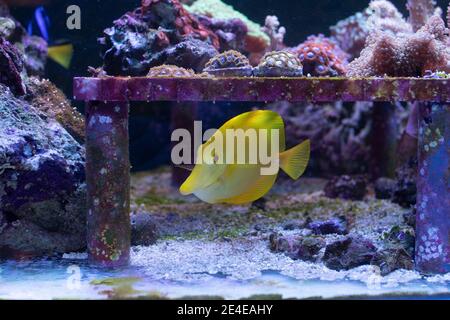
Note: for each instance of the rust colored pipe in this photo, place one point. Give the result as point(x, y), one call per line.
point(108, 183)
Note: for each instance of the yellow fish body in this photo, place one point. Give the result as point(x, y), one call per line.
point(216, 181)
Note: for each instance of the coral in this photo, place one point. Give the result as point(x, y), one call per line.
point(321, 56)
point(228, 59)
point(171, 15)
point(161, 32)
point(275, 32)
point(42, 191)
point(229, 63)
point(11, 67)
point(232, 33)
point(339, 134)
point(420, 11)
point(436, 75)
point(279, 63)
point(407, 55)
point(448, 15)
point(52, 102)
point(351, 33)
point(256, 40)
point(346, 187)
point(386, 17)
point(169, 71)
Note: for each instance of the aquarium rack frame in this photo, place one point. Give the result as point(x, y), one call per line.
point(107, 142)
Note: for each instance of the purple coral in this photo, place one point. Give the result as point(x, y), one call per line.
point(420, 11)
point(339, 134)
point(407, 55)
point(231, 32)
point(352, 32)
point(275, 32)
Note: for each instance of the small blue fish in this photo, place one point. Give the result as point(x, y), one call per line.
point(42, 22)
point(61, 53)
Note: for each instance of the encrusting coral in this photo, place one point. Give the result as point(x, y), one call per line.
point(228, 59)
point(321, 56)
point(279, 64)
point(404, 55)
point(52, 103)
point(229, 63)
point(170, 71)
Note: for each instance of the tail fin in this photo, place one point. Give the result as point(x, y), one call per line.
point(294, 161)
point(61, 54)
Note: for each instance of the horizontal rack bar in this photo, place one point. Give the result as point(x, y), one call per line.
point(261, 89)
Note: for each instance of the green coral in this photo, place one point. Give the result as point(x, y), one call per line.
point(220, 10)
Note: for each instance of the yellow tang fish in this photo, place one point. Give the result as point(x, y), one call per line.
point(215, 180)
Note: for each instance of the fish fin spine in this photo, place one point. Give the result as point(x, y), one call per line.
point(294, 161)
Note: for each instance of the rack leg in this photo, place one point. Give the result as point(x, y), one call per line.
point(108, 183)
point(433, 190)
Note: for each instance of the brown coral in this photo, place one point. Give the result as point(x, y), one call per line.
point(229, 63)
point(321, 56)
point(53, 104)
point(408, 55)
point(170, 71)
point(227, 59)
